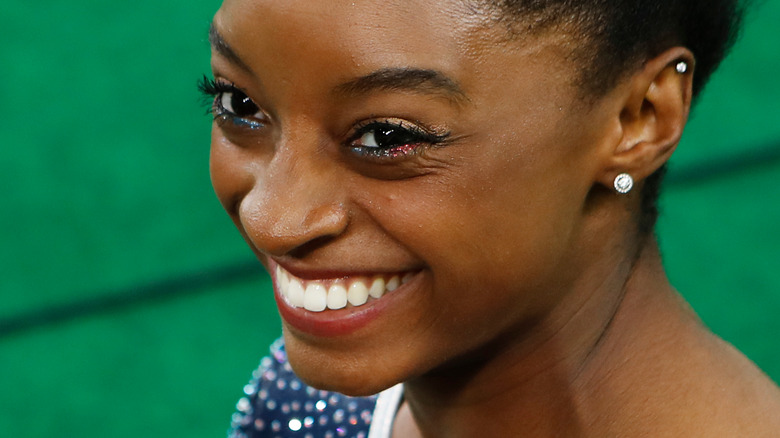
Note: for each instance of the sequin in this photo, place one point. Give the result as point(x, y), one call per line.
point(243, 405)
point(276, 403)
point(250, 389)
point(294, 425)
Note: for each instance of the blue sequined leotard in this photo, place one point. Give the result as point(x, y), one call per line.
point(278, 404)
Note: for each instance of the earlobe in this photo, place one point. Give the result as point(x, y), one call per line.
point(654, 112)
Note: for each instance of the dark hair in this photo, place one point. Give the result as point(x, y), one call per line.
point(625, 33)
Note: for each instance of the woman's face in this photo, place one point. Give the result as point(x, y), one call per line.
point(401, 138)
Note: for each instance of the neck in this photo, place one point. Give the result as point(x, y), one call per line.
point(550, 375)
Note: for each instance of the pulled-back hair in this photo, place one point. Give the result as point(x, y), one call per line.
point(621, 35)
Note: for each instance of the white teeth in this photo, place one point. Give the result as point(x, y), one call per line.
point(377, 288)
point(358, 293)
point(337, 297)
point(319, 295)
point(393, 283)
point(280, 278)
point(315, 298)
point(295, 293)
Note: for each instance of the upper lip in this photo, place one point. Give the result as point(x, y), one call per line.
point(312, 273)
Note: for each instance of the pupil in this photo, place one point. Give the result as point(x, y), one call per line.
point(388, 137)
point(242, 105)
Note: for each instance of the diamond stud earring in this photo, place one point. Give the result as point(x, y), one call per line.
point(624, 183)
point(681, 67)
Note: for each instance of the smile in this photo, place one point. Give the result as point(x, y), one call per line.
point(335, 293)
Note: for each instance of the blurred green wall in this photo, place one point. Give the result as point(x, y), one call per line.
point(130, 307)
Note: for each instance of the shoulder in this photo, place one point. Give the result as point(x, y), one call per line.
point(278, 404)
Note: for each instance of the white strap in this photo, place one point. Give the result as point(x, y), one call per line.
point(387, 405)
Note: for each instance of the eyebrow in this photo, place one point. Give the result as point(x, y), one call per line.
point(221, 46)
point(415, 80)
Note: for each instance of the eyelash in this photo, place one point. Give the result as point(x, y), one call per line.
point(414, 138)
point(213, 91)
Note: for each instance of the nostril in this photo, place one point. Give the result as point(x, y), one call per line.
point(303, 250)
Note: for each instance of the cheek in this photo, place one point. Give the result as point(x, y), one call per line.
point(492, 236)
point(230, 177)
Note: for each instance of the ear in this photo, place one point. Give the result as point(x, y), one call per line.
point(655, 107)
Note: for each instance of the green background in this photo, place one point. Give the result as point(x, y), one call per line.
point(129, 306)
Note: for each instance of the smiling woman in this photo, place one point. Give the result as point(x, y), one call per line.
point(455, 201)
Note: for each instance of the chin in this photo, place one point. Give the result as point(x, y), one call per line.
point(340, 371)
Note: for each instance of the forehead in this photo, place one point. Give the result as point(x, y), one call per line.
point(357, 15)
point(369, 31)
point(300, 48)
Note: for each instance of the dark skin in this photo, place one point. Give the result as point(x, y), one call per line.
point(534, 302)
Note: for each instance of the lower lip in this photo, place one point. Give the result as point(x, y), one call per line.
point(342, 322)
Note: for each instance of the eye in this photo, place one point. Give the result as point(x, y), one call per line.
point(238, 103)
point(388, 136)
point(391, 139)
point(227, 103)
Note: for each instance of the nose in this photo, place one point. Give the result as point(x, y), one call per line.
point(294, 205)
